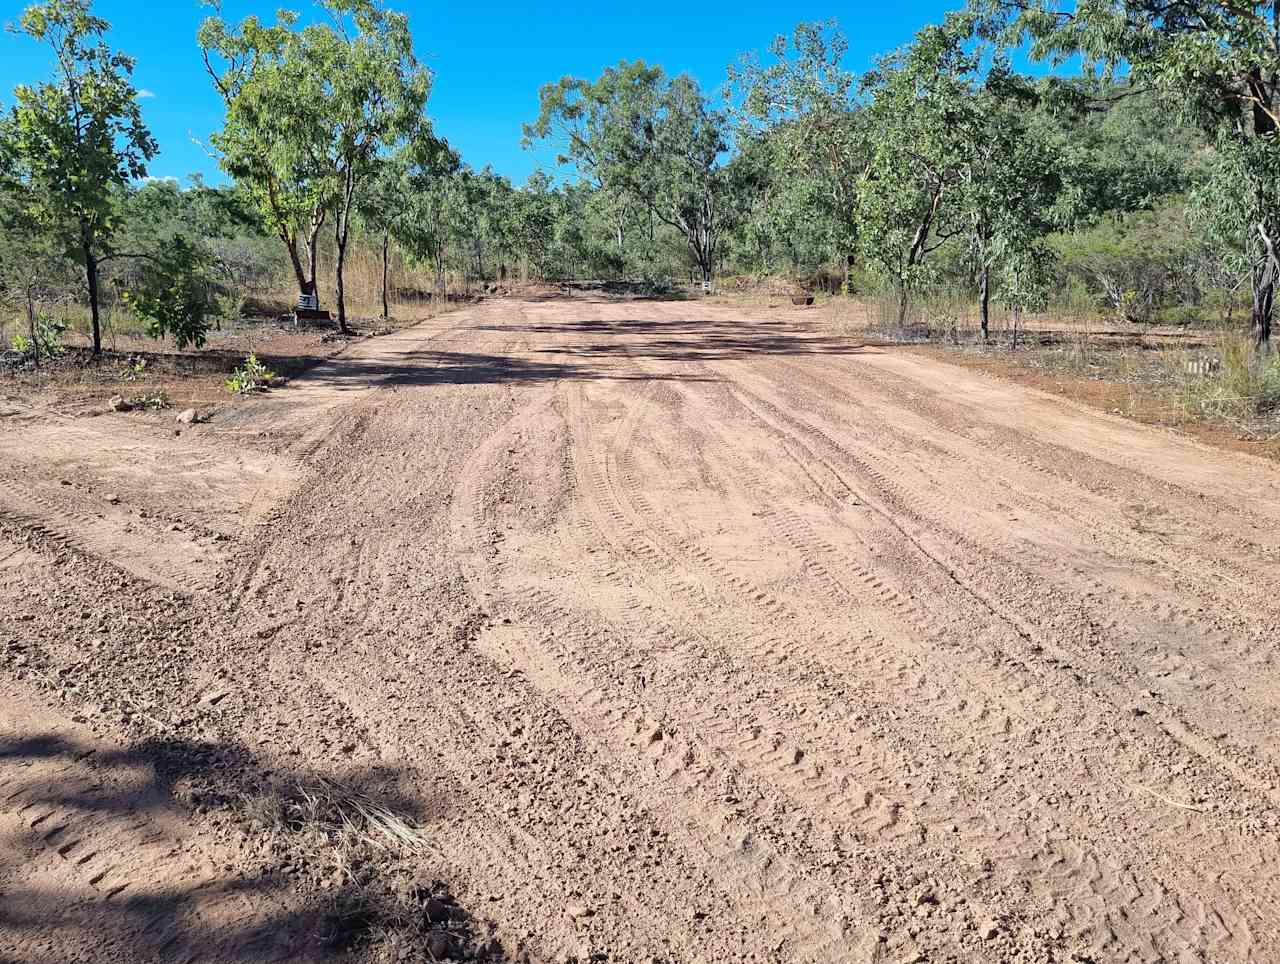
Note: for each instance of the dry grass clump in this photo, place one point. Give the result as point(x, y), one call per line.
point(1240, 385)
point(341, 812)
point(361, 858)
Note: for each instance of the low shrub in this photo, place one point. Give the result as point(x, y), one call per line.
point(252, 376)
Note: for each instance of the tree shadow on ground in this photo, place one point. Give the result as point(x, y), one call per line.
point(689, 340)
point(174, 849)
point(591, 349)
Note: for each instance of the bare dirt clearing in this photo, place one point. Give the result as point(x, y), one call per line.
point(682, 634)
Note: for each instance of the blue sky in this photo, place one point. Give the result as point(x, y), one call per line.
point(489, 58)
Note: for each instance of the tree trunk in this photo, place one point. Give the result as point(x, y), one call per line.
point(309, 284)
point(1264, 286)
point(340, 239)
point(902, 305)
point(303, 287)
point(986, 303)
point(31, 327)
point(91, 273)
point(313, 244)
point(386, 308)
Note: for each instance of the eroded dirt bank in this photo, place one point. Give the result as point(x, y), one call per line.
point(683, 634)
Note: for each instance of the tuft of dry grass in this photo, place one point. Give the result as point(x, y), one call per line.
point(338, 812)
point(362, 859)
point(349, 812)
point(1240, 386)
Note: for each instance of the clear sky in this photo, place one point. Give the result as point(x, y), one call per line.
point(489, 58)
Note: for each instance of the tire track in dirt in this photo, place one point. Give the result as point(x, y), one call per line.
point(1190, 644)
point(1176, 913)
point(928, 509)
point(756, 880)
point(1138, 938)
point(1034, 469)
point(759, 882)
point(115, 539)
point(460, 724)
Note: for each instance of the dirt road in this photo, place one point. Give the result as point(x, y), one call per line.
point(685, 634)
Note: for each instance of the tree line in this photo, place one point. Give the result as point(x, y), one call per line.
point(1144, 181)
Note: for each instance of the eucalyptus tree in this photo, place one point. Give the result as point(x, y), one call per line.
point(1010, 194)
point(801, 114)
point(70, 145)
point(424, 215)
point(959, 151)
point(492, 200)
point(378, 210)
point(1216, 62)
point(365, 94)
point(34, 268)
point(654, 139)
point(310, 112)
point(921, 106)
point(267, 128)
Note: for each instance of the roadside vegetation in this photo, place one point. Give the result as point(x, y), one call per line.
point(1133, 183)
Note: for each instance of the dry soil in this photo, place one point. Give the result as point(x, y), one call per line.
point(684, 633)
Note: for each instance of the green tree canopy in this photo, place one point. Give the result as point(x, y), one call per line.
point(1217, 63)
point(656, 140)
point(71, 144)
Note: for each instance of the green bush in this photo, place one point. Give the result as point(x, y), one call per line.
point(252, 376)
point(173, 294)
point(151, 401)
point(47, 340)
point(1182, 315)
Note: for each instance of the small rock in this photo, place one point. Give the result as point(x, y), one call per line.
point(119, 403)
point(112, 498)
point(187, 417)
point(989, 931)
point(440, 946)
point(578, 910)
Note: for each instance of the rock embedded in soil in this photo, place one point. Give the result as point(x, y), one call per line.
point(440, 946)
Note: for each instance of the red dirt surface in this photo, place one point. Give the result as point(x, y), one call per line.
point(682, 634)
